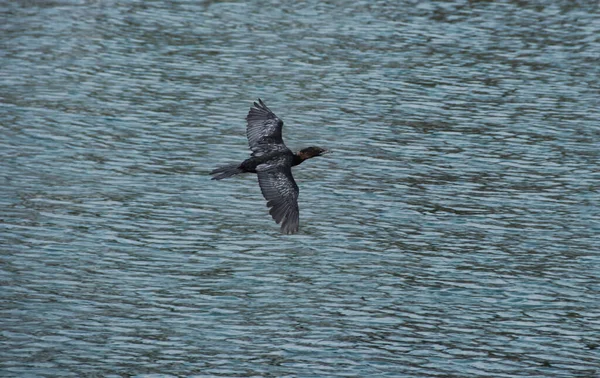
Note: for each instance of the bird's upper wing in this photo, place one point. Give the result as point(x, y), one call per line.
point(263, 129)
point(281, 192)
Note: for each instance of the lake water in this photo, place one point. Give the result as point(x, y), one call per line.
point(453, 232)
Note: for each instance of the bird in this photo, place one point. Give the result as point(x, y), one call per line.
point(272, 162)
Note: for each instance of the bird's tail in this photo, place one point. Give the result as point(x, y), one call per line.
point(226, 171)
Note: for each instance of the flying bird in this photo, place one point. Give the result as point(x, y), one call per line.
point(272, 162)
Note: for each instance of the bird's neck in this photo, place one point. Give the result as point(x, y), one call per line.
point(298, 158)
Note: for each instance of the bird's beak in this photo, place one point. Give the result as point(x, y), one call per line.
point(325, 152)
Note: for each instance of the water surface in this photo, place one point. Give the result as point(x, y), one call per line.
point(452, 233)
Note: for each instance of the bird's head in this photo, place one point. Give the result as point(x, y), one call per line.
point(311, 152)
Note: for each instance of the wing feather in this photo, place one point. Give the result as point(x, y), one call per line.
point(281, 192)
point(263, 129)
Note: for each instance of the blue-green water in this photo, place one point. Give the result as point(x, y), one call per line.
point(454, 231)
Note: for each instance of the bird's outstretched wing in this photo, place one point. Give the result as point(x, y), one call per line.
point(263, 129)
point(281, 192)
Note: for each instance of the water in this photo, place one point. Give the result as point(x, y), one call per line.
point(452, 233)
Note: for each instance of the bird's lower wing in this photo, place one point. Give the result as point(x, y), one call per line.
point(281, 192)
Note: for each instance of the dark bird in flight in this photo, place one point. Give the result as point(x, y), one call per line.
point(272, 162)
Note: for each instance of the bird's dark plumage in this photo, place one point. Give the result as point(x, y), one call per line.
point(281, 192)
point(263, 129)
point(272, 161)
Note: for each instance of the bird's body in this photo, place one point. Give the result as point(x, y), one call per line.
point(272, 161)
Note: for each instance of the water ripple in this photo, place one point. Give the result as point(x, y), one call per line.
point(453, 231)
